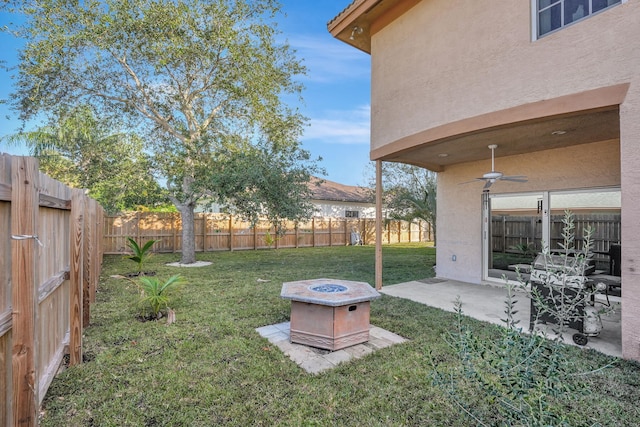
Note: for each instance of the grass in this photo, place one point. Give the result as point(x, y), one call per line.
point(211, 368)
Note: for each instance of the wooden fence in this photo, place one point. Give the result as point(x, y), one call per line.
point(221, 232)
point(509, 231)
point(50, 260)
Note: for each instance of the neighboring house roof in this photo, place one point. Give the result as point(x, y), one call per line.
point(323, 189)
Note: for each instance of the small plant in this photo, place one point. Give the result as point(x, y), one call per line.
point(518, 374)
point(140, 254)
point(526, 249)
point(560, 291)
point(269, 240)
point(155, 294)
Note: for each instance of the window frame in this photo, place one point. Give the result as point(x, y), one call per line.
point(535, 16)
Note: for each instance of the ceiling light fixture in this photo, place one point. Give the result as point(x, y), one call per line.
point(443, 155)
point(558, 132)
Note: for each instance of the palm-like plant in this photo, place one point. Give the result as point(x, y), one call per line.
point(141, 254)
point(155, 292)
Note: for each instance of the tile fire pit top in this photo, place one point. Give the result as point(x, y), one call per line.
point(331, 292)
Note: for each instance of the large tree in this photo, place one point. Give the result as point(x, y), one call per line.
point(409, 192)
point(83, 152)
point(204, 79)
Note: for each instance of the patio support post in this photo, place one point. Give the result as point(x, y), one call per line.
point(378, 224)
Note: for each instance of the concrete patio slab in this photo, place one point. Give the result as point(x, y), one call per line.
point(486, 302)
point(316, 360)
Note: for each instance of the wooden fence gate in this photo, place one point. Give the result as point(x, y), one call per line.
point(50, 260)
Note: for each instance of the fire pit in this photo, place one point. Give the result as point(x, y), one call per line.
point(329, 314)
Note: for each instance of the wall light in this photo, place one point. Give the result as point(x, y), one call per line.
point(356, 30)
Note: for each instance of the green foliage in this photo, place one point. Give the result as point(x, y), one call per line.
point(409, 192)
point(519, 375)
point(257, 181)
point(155, 293)
point(563, 288)
point(526, 249)
point(270, 240)
point(80, 150)
point(204, 79)
point(141, 254)
point(523, 375)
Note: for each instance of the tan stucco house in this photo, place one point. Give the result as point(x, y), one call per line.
point(555, 84)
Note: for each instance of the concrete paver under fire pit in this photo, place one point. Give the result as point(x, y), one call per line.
point(329, 324)
point(315, 360)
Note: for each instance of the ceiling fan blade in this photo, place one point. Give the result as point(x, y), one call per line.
point(515, 178)
point(474, 180)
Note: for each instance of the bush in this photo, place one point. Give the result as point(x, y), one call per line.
point(522, 374)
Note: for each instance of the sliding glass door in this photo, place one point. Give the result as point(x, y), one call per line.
point(514, 233)
point(516, 227)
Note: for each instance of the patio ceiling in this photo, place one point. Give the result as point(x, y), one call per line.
point(512, 139)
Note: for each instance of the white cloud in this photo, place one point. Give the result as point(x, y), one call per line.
point(328, 59)
point(341, 127)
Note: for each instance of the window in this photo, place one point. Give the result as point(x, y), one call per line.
point(516, 227)
point(351, 214)
point(554, 14)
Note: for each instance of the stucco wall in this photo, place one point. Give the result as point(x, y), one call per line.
point(459, 217)
point(446, 60)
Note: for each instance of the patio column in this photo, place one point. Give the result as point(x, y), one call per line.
point(630, 177)
point(378, 224)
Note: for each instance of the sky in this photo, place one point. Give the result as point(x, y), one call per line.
point(336, 95)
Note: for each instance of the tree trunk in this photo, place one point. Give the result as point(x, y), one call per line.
point(188, 234)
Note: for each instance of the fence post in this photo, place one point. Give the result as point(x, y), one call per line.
point(231, 233)
point(347, 241)
point(24, 290)
point(75, 277)
point(313, 232)
point(205, 217)
point(138, 234)
point(87, 252)
point(330, 234)
point(255, 236)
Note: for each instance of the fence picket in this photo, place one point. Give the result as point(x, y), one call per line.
point(41, 304)
point(24, 296)
point(241, 235)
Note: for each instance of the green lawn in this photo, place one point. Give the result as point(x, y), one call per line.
point(211, 368)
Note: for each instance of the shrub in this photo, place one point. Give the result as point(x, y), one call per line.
point(155, 293)
point(521, 374)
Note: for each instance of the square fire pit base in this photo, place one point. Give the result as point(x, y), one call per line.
point(330, 328)
point(328, 313)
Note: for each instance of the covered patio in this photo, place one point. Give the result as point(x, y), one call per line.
point(486, 303)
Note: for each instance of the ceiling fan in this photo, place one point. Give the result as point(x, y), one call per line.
point(490, 177)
